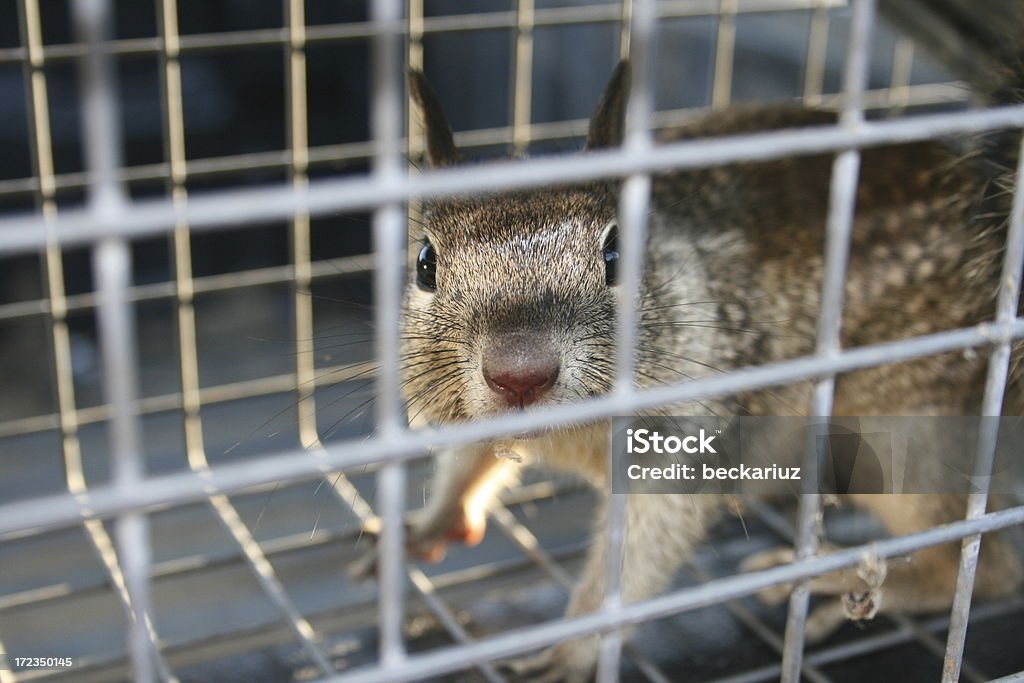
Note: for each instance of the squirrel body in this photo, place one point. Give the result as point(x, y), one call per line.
point(513, 304)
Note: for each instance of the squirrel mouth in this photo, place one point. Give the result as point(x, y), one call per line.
point(525, 435)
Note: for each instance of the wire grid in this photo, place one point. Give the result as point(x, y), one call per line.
point(110, 220)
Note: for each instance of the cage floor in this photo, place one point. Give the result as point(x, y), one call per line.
point(218, 627)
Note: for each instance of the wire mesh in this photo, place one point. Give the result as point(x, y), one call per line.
point(109, 221)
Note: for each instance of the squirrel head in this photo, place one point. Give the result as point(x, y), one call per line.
point(511, 301)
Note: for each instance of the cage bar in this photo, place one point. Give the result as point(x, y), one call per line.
point(899, 80)
point(110, 221)
point(530, 546)
point(522, 76)
point(725, 49)
point(59, 510)
point(332, 33)
point(389, 245)
point(908, 628)
point(842, 198)
point(191, 395)
point(51, 260)
point(817, 46)
point(321, 155)
point(523, 640)
point(112, 262)
point(992, 405)
point(322, 196)
point(633, 209)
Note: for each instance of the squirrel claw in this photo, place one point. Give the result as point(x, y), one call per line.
point(419, 545)
point(567, 662)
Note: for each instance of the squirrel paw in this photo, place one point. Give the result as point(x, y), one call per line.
point(424, 541)
point(839, 607)
point(430, 550)
point(569, 662)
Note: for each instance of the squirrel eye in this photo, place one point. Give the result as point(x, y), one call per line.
point(426, 267)
point(611, 256)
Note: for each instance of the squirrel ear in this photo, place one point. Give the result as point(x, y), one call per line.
point(440, 143)
point(609, 121)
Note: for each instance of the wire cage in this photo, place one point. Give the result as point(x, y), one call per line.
point(213, 439)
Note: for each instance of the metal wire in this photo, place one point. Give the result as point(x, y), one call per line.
point(332, 33)
point(992, 405)
point(110, 220)
point(267, 204)
point(634, 207)
point(52, 262)
point(908, 628)
point(191, 397)
point(842, 197)
point(328, 155)
point(523, 640)
point(60, 510)
point(112, 262)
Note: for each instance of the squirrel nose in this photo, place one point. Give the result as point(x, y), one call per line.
point(520, 367)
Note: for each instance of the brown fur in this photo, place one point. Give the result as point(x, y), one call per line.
point(732, 279)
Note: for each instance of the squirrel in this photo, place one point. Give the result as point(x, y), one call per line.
point(512, 303)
